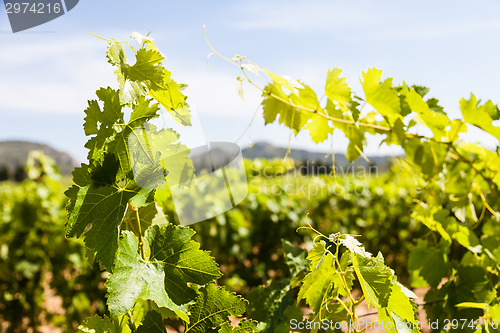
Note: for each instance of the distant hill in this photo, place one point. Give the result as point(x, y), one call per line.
point(269, 151)
point(13, 155)
point(308, 162)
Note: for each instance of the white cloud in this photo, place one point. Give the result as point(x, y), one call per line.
point(300, 17)
point(368, 20)
point(442, 30)
point(22, 49)
point(53, 76)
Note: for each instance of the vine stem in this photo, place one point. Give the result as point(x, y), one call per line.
point(131, 321)
point(131, 226)
point(141, 239)
point(352, 302)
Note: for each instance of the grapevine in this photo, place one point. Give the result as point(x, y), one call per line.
point(157, 271)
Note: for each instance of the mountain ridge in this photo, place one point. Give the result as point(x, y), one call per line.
point(269, 151)
point(13, 155)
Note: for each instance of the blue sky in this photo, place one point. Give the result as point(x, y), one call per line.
point(48, 73)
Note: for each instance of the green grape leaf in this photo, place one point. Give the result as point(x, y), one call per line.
point(381, 95)
point(116, 54)
point(277, 104)
point(491, 244)
point(175, 157)
point(142, 196)
point(434, 106)
point(403, 104)
point(401, 304)
point(354, 246)
point(375, 279)
point(135, 278)
point(101, 206)
point(104, 207)
point(283, 81)
point(101, 122)
point(318, 128)
point(167, 313)
point(183, 261)
point(337, 90)
point(436, 122)
point(353, 108)
point(317, 283)
point(423, 213)
point(316, 254)
point(292, 118)
point(397, 136)
point(480, 116)
point(156, 154)
point(112, 110)
point(295, 258)
point(274, 305)
point(337, 313)
point(473, 285)
point(104, 172)
point(153, 323)
point(244, 326)
point(427, 158)
point(143, 112)
point(93, 114)
point(212, 307)
point(306, 98)
point(97, 324)
point(393, 323)
point(122, 145)
point(457, 126)
point(147, 68)
point(129, 90)
point(429, 262)
point(172, 99)
point(459, 232)
point(421, 90)
point(357, 141)
point(494, 311)
point(272, 106)
point(140, 310)
point(97, 145)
